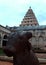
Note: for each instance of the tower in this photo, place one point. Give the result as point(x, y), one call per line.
point(29, 19)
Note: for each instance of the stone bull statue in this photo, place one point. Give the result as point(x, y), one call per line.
point(20, 48)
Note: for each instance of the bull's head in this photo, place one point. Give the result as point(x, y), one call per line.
point(17, 43)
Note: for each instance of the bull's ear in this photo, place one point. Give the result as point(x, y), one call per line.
point(28, 35)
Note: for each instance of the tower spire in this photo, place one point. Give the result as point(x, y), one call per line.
point(29, 19)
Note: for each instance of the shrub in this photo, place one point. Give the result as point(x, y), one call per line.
point(1, 51)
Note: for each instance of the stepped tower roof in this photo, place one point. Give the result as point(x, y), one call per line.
point(29, 19)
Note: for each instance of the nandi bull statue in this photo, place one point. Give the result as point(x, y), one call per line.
point(20, 48)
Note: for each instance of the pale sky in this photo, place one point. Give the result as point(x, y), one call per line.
point(13, 11)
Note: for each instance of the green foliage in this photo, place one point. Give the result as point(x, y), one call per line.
point(1, 51)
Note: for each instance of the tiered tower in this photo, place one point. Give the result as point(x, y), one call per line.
point(29, 19)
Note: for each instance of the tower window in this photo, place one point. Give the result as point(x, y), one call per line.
point(30, 21)
point(31, 24)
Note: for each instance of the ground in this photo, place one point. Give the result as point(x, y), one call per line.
point(39, 55)
point(5, 63)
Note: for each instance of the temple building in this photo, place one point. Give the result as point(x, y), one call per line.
point(4, 33)
point(29, 19)
point(30, 23)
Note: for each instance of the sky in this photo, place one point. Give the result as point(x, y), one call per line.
point(12, 12)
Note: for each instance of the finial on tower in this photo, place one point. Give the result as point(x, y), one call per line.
point(30, 7)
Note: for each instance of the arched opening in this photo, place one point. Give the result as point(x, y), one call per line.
point(0, 39)
point(5, 39)
point(0, 36)
point(41, 41)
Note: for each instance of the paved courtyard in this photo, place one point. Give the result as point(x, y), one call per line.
point(41, 57)
point(5, 63)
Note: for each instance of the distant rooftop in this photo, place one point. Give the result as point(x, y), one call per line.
point(27, 28)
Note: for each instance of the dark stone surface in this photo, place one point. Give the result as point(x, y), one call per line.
point(19, 47)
